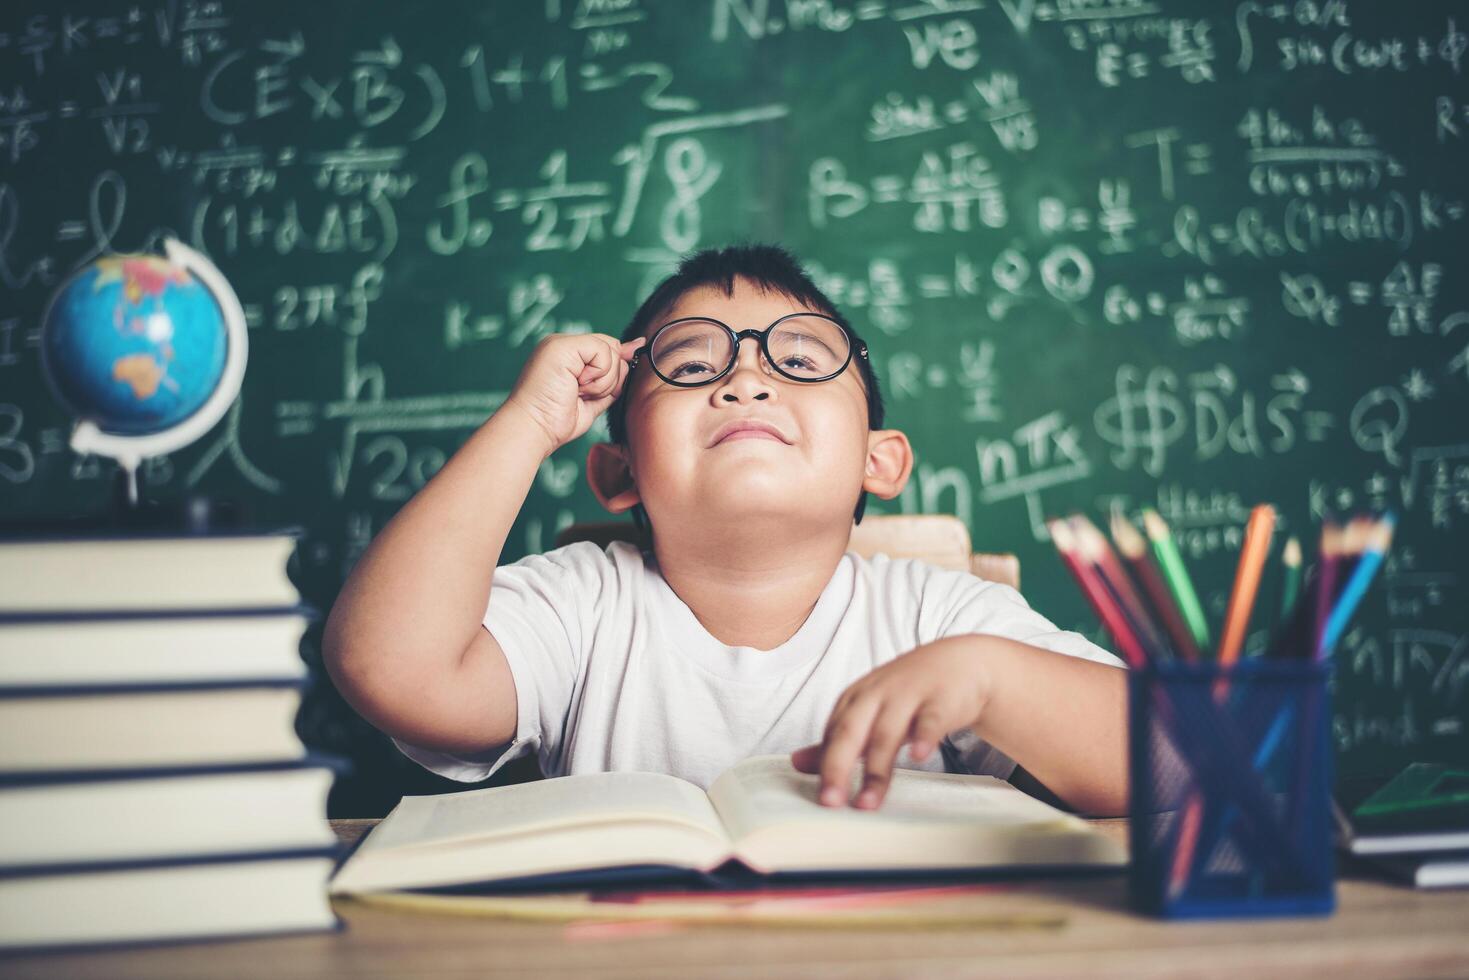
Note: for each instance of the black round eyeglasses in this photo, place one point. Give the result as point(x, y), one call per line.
point(694, 351)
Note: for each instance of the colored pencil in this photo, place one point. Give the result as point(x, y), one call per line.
point(1330, 554)
point(1176, 575)
point(1092, 548)
point(1263, 754)
point(1290, 587)
point(1188, 841)
point(1093, 542)
point(1353, 540)
point(1091, 587)
point(1246, 582)
point(1252, 555)
point(1106, 585)
point(1292, 638)
point(1378, 540)
point(1134, 549)
point(1078, 546)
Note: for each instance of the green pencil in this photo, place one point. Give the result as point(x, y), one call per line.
point(1174, 572)
point(1290, 586)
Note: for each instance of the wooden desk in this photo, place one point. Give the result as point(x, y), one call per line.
point(1378, 930)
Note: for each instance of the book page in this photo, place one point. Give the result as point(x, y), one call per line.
point(593, 798)
point(767, 790)
point(927, 820)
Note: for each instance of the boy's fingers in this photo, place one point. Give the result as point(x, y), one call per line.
point(606, 385)
point(628, 348)
point(595, 391)
point(602, 380)
point(843, 744)
point(614, 358)
point(622, 372)
point(882, 750)
point(616, 368)
point(928, 731)
point(595, 363)
point(844, 700)
point(807, 758)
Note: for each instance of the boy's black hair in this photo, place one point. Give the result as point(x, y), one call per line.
point(770, 268)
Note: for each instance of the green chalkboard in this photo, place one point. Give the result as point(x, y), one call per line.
point(1187, 255)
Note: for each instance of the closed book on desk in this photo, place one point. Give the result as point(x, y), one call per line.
point(58, 649)
point(217, 571)
point(761, 814)
point(1437, 869)
point(1424, 807)
point(150, 725)
point(136, 815)
point(243, 895)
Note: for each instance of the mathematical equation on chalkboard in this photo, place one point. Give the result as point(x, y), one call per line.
point(1107, 253)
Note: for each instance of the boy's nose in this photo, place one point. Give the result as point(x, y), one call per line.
point(751, 378)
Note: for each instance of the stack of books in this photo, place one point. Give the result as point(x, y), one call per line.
point(152, 785)
point(1413, 826)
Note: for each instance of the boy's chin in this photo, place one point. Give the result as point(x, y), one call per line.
point(752, 500)
point(745, 487)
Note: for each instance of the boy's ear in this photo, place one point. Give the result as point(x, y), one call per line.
point(889, 462)
point(611, 478)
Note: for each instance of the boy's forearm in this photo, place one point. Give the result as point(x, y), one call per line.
point(1064, 719)
point(419, 592)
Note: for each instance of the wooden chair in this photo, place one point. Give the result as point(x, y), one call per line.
point(940, 539)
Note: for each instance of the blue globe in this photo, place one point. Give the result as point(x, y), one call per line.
point(135, 343)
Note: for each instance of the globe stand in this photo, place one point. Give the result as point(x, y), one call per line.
point(195, 513)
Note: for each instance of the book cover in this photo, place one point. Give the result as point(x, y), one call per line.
point(51, 818)
point(1423, 807)
point(130, 726)
point(122, 572)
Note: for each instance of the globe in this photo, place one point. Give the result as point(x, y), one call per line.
point(134, 343)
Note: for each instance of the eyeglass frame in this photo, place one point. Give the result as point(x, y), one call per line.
point(762, 337)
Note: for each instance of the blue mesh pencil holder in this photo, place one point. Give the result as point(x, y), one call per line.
point(1231, 781)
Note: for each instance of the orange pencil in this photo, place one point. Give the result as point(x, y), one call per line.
point(1191, 819)
point(1246, 582)
point(1236, 619)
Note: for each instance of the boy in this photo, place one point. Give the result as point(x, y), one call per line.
point(745, 435)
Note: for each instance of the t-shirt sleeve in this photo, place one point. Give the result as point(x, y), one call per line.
point(542, 611)
point(957, 604)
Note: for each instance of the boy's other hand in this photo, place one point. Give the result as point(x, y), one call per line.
point(569, 380)
point(914, 700)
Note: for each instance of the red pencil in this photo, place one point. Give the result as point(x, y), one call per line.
point(1134, 550)
point(1093, 545)
point(1096, 594)
point(1092, 550)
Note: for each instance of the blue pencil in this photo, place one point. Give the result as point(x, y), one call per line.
point(1380, 538)
point(1263, 755)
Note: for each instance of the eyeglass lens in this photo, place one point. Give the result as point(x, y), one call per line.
point(803, 347)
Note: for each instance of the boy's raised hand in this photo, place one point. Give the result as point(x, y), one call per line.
point(570, 379)
point(913, 700)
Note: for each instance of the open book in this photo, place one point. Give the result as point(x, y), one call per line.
point(761, 813)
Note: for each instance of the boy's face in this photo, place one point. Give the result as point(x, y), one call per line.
point(689, 467)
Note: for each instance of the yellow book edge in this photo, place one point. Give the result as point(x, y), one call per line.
point(579, 907)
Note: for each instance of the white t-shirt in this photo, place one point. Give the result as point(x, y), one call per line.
point(613, 672)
